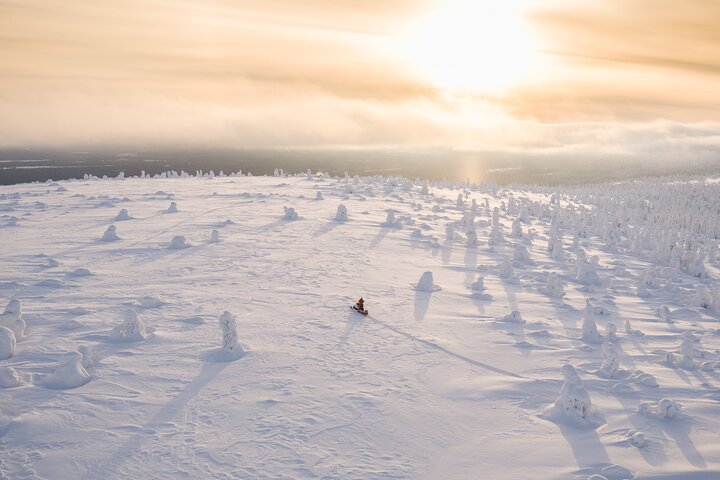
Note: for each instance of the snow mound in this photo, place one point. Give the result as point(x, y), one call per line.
point(342, 214)
point(638, 440)
point(178, 242)
point(665, 409)
point(132, 330)
point(574, 407)
point(69, 374)
point(50, 283)
point(513, 317)
point(290, 214)
point(9, 377)
point(642, 378)
point(478, 285)
point(426, 283)
point(88, 358)
point(7, 343)
point(12, 318)
point(110, 234)
point(391, 221)
point(149, 300)
point(122, 215)
point(80, 272)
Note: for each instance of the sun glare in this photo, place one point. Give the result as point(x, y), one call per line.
point(469, 45)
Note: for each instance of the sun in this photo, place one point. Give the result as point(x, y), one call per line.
point(468, 45)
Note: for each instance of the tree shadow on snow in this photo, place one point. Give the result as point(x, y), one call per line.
point(586, 446)
point(380, 236)
point(167, 413)
point(327, 228)
point(422, 303)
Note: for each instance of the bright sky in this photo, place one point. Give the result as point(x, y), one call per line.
point(554, 75)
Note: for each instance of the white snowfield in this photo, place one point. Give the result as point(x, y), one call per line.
point(562, 333)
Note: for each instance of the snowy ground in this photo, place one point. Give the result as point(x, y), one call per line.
point(443, 383)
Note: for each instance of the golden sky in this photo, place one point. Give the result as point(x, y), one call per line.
point(549, 75)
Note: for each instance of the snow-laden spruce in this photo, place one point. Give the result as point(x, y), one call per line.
point(574, 406)
point(110, 234)
point(230, 348)
point(178, 242)
point(342, 213)
point(290, 214)
point(590, 332)
point(122, 215)
point(132, 329)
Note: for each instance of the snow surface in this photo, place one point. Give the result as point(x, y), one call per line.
point(139, 370)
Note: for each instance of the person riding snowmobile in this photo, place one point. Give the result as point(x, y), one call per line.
point(360, 305)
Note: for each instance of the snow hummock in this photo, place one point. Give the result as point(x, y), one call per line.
point(178, 242)
point(342, 213)
point(7, 343)
point(12, 318)
point(290, 213)
point(478, 285)
point(70, 373)
point(149, 300)
point(9, 377)
point(664, 409)
point(110, 234)
point(122, 215)
point(574, 406)
point(132, 330)
point(80, 272)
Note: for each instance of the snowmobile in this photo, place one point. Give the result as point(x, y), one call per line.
point(360, 307)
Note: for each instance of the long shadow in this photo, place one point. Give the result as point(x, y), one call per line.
point(447, 248)
point(680, 433)
point(327, 228)
point(471, 256)
point(353, 320)
point(422, 303)
point(380, 236)
point(167, 413)
point(586, 446)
